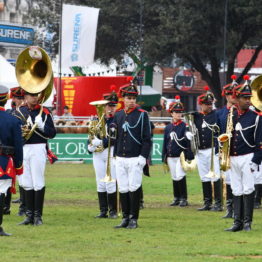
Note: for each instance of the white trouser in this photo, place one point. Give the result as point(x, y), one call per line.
point(227, 176)
point(4, 185)
point(100, 162)
point(203, 158)
point(176, 170)
point(33, 177)
point(258, 175)
point(19, 179)
point(128, 174)
point(242, 179)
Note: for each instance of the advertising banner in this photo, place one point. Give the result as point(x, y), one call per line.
point(79, 24)
point(73, 147)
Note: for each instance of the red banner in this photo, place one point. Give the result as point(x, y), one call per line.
point(78, 92)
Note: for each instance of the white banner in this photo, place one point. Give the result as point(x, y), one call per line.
point(79, 24)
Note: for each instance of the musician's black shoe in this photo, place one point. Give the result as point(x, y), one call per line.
point(21, 212)
point(112, 215)
point(132, 224)
point(3, 233)
point(123, 224)
point(216, 208)
point(6, 211)
point(176, 202)
point(235, 228)
point(204, 208)
point(38, 221)
point(247, 227)
point(102, 215)
point(183, 203)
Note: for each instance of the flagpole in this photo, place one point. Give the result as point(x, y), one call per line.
point(59, 87)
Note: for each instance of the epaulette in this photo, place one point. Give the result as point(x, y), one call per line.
point(141, 110)
point(46, 111)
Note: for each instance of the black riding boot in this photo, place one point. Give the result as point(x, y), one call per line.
point(248, 211)
point(38, 206)
point(176, 193)
point(134, 209)
point(229, 203)
point(258, 194)
point(2, 203)
point(22, 207)
point(112, 204)
point(30, 205)
point(7, 205)
point(207, 194)
point(217, 194)
point(238, 214)
point(103, 205)
point(183, 192)
point(125, 205)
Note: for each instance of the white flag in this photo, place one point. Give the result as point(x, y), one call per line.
point(79, 24)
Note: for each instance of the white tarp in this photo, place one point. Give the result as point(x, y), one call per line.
point(7, 74)
point(147, 90)
point(79, 24)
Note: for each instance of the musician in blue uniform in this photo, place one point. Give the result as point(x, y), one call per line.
point(35, 154)
point(205, 122)
point(175, 142)
point(11, 152)
point(245, 157)
point(107, 194)
point(132, 149)
point(222, 115)
point(17, 96)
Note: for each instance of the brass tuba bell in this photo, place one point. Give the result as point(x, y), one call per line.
point(256, 98)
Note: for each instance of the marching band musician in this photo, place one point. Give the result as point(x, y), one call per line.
point(11, 152)
point(245, 157)
point(174, 143)
point(35, 154)
point(17, 96)
point(222, 115)
point(132, 149)
point(107, 194)
point(205, 122)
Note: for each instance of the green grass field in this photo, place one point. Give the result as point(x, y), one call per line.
point(71, 233)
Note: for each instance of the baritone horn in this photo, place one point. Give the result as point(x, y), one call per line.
point(34, 75)
point(256, 86)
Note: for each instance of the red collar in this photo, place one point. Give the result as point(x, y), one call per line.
point(2, 108)
point(177, 123)
point(241, 112)
point(36, 107)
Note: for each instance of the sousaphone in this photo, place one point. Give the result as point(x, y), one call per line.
point(256, 98)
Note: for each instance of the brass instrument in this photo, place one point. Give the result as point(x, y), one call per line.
point(194, 143)
point(97, 126)
point(187, 165)
point(256, 98)
point(34, 75)
point(211, 173)
point(225, 142)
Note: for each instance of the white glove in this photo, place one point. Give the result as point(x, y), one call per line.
point(96, 142)
point(141, 161)
point(254, 167)
point(91, 148)
point(40, 123)
point(189, 135)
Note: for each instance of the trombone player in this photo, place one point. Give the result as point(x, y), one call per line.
point(245, 156)
point(207, 162)
point(106, 191)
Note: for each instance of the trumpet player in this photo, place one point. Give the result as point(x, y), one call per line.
point(207, 161)
point(222, 117)
point(107, 195)
point(132, 149)
point(174, 144)
point(245, 156)
point(35, 154)
point(11, 152)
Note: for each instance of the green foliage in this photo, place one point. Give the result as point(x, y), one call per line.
point(71, 233)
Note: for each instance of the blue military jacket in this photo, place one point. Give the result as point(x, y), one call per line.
point(204, 123)
point(110, 132)
point(133, 133)
point(247, 135)
point(175, 141)
point(222, 119)
point(38, 137)
point(10, 135)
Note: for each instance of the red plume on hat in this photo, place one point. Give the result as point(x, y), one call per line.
point(113, 88)
point(177, 98)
